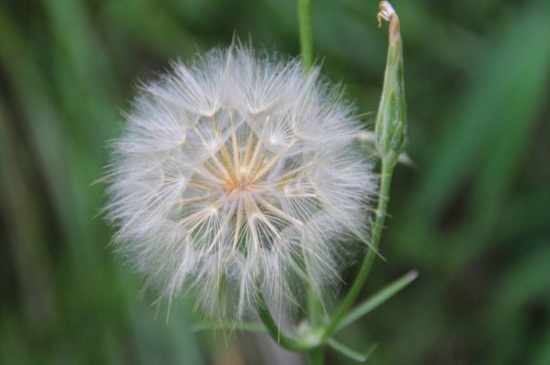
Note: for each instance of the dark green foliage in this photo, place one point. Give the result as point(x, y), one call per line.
point(473, 219)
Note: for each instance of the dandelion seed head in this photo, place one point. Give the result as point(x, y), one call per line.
point(237, 173)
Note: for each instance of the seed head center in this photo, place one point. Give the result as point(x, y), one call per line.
point(240, 179)
point(243, 165)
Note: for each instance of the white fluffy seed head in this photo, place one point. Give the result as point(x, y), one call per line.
point(236, 174)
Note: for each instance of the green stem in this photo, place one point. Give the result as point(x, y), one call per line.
point(274, 330)
point(313, 307)
point(306, 45)
point(316, 356)
point(306, 33)
point(388, 163)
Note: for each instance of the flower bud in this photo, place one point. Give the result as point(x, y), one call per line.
point(391, 120)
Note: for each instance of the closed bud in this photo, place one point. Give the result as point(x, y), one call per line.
point(391, 121)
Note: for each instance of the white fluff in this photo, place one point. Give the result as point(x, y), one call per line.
point(239, 173)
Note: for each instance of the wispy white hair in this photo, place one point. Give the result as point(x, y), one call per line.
point(239, 173)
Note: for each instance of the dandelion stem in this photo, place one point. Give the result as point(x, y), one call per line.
point(306, 34)
point(274, 330)
point(306, 45)
point(313, 306)
point(316, 356)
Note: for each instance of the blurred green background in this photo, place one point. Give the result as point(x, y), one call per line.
point(473, 217)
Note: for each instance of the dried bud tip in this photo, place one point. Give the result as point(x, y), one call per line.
point(413, 275)
point(387, 12)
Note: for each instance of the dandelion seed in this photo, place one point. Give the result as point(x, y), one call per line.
point(239, 173)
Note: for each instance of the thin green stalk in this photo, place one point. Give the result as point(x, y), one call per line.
point(313, 308)
point(306, 45)
point(306, 33)
point(316, 356)
point(388, 163)
point(274, 330)
point(391, 140)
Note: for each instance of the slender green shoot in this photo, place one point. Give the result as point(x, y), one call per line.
point(352, 354)
point(306, 46)
point(275, 332)
point(306, 33)
point(391, 140)
point(377, 300)
point(388, 162)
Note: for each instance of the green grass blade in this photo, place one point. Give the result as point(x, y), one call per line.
point(377, 299)
point(352, 354)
